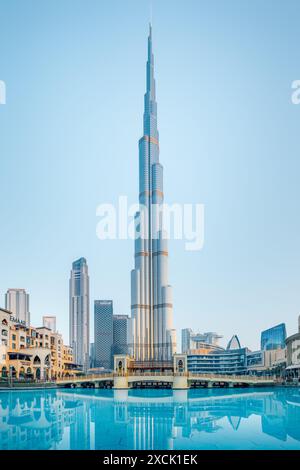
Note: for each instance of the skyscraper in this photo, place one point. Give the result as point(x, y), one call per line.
point(151, 295)
point(80, 312)
point(103, 328)
point(120, 334)
point(17, 302)
point(49, 321)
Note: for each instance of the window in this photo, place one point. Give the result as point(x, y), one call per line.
point(4, 332)
point(14, 337)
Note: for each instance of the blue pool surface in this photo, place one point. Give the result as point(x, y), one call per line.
point(264, 418)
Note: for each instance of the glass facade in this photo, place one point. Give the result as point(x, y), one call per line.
point(103, 326)
point(120, 334)
point(273, 338)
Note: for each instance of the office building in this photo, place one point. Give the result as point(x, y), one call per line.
point(80, 312)
point(120, 334)
point(103, 330)
point(17, 302)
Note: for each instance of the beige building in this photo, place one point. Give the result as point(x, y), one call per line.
point(33, 353)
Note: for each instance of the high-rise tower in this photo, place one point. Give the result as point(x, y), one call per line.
point(17, 302)
point(80, 312)
point(103, 337)
point(151, 295)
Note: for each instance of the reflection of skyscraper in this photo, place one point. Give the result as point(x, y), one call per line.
point(103, 327)
point(151, 295)
point(17, 302)
point(273, 338)
point(80, 312)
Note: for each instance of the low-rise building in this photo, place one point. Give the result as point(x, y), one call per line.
point(213, 359)
point(268, 362)
point(32, 353)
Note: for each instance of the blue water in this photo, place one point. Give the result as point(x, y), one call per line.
point(264, 418)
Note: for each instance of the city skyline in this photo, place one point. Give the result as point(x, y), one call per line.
point(249, 266)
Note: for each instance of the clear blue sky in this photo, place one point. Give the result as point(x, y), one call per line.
point(75, 77)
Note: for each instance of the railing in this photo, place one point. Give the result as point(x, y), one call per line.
point(149, 374)
point(85, 378)
point(189, 375)
point(238, 378)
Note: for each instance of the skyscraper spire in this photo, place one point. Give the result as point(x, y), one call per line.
point(151, 296)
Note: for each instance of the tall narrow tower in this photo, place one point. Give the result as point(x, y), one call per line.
point(17, 302)
point(151, 295)
point(80, 312)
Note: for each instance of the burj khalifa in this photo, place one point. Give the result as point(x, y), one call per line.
point(154, 338)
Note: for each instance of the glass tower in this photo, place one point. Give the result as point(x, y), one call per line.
point(120, 334)
point(103, 327)
point(273, 338)
point(151, 294)
point(80, 312)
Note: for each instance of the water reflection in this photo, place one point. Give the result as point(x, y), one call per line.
point(150, 419)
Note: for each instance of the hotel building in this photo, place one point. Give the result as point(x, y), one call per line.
point(32, 353)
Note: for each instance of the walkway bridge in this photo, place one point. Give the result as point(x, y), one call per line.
point(163, 380)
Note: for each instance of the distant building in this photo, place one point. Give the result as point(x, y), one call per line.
point(17, 302)
point(120, 334)
point(49, 322)
point(273, 338)
point(80, 312)
point(191, 340)
point(103, 328)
